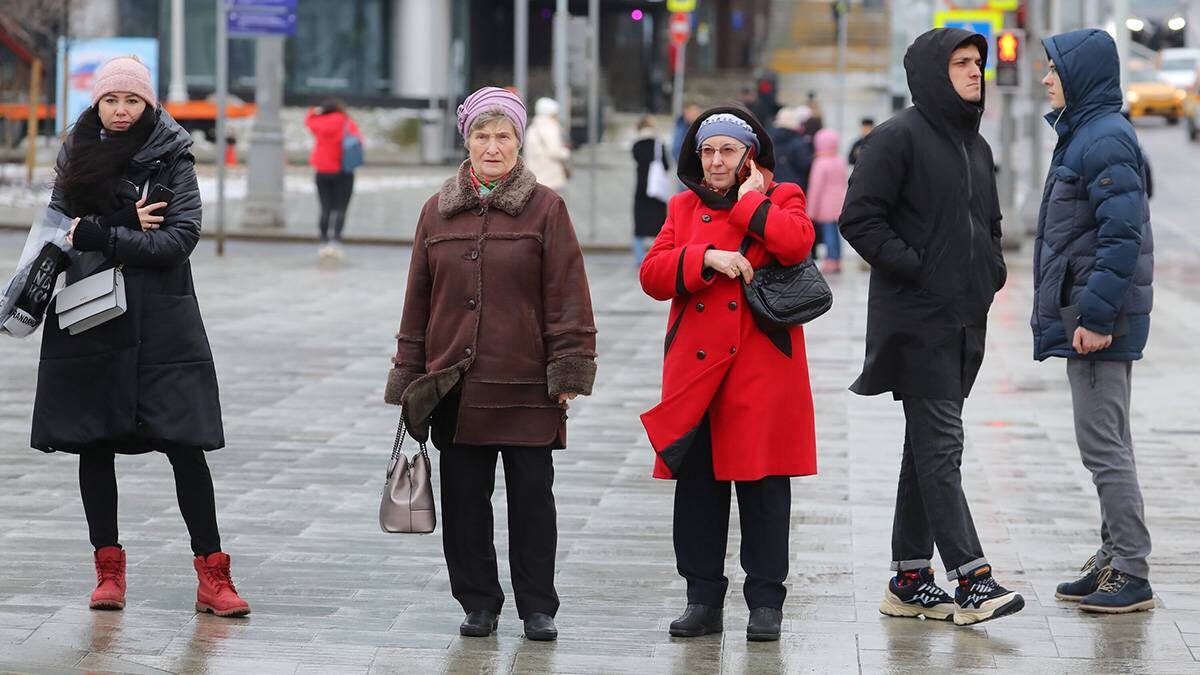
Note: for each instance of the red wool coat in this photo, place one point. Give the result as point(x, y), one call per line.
point(753, 386)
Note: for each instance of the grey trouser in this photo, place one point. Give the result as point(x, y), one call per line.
point(1100, 392)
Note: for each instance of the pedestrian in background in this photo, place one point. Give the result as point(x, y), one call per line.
point(496, 337)
point(867, 124)
point(1093, 276)
point(546, 154)
point(649, 212)
point(827, 191)
point(330, 124)
point(736, 403)
point(922, 210)
point(143, 381)
point(690, 112)
point(793, 150)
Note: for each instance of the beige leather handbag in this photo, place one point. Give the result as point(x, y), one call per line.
point(407, 504)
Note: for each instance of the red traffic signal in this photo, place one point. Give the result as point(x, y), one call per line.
point(1008, 45)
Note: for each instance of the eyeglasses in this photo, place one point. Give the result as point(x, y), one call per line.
point(728, 152)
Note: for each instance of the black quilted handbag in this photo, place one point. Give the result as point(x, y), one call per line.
point(787, 295)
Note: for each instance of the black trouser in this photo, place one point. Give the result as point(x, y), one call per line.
point(193, 488)
point(468, 478)
point(334, 190)
point(701, 531)
point(930, 504)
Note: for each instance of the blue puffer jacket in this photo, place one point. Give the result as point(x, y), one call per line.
point(1094, 249)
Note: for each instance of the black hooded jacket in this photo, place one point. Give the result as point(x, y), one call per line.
point(922, 210)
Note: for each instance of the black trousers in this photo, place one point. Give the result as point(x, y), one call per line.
point(701, 531)
point(334, 191)
point(193, 489)
point(468, 478)
point(930, 504)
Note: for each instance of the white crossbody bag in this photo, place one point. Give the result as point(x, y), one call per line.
point(89, 302)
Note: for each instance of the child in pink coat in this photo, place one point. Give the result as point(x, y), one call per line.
point(826, 191)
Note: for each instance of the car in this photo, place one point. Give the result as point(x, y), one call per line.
point(1148, 94)
point(1192, 113)
point(1179, 66)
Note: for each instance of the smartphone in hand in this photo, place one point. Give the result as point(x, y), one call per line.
point(160, 193)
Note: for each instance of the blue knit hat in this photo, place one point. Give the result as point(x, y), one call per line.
point(726, 124)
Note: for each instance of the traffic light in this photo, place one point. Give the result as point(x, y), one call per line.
point(1008, 58)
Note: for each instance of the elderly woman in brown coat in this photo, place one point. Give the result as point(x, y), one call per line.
point(497, 335)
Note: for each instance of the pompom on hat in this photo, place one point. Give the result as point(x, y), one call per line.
point(488, 98)
point(124, 73)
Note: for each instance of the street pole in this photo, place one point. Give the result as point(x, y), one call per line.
point(593, 109)
point(222, 97)
point(177, 93)
point(1008, 169)
point(1035, 29)
point(265, 166)
point(1120, 14)
point(677, 90)
point(843, 41)
point(31, 129)
point(521, 47)
point(562, 88)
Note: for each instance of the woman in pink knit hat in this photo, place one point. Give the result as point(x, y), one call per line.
point(143, 381)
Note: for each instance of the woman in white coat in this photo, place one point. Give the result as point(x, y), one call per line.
point(546, 154)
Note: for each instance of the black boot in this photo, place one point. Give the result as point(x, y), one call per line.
point(764, 624)
point(540, 627)
point(480, 623)
point(697, 620)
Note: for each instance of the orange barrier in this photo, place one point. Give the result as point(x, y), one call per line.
point(187, 111)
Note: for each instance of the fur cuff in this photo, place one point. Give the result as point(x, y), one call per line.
point(571, 375)
point(398, 381)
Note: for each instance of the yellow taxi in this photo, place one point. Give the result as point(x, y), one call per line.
point(1149, 96)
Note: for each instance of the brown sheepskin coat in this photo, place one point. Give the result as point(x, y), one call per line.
point(497, 301)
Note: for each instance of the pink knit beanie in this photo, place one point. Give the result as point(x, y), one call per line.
point(124, 73)
point(488, 98)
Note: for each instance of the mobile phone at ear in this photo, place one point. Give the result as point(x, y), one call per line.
point(160, 193)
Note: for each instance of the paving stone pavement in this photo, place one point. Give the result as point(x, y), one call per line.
point(302, 349)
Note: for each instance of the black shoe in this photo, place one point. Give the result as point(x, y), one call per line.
point(915, 593)
point(980, 598)
point(1086, 584)
point(764, 624)
point(697, 620)
point(480, 623)
point(540, 627)
point(1119, 592)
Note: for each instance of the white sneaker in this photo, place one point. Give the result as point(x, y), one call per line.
point(325, 251)
point(336, 251)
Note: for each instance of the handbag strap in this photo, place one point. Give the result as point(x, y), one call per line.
point(400, 443)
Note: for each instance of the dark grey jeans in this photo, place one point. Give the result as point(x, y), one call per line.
point(930, 504)
point(1100, 394)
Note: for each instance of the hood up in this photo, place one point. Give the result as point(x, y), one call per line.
point(1090, 72)
point(927, 63)
point(691, 172)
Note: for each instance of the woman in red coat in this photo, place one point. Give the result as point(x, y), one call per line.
point(330, 124)
point(736, 403)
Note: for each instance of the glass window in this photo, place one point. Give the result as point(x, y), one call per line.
point(340, 48)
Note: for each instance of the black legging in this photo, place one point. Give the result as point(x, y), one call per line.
point(334, 190)
point(193, 488)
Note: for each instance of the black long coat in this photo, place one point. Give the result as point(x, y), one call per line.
point(922, 210)
point(145, 380)
point(648, 213)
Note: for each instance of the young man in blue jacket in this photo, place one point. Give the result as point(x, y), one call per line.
point(1093, 268)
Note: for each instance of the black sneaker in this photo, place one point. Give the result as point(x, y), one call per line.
point(1088, 582)
point(980, 598)
point(1119, 593)
point(915, 594)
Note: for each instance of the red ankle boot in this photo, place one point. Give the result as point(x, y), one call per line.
point(110, 579)
point(216, 593)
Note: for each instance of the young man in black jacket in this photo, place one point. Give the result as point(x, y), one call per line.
point(922, 210)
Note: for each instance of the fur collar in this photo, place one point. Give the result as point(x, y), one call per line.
point(510, 196)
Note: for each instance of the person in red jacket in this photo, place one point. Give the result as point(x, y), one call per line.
point(736, 401)
point(329, 125)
